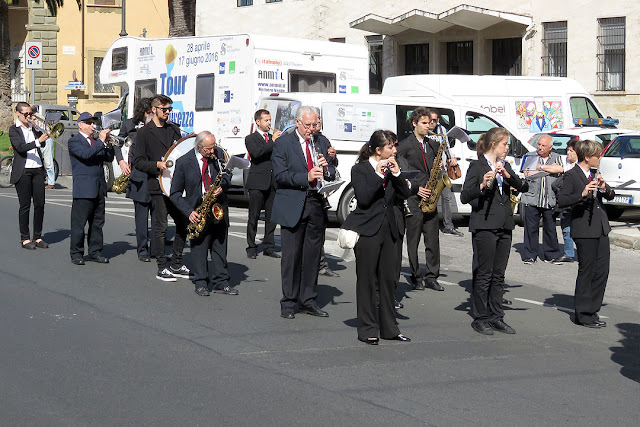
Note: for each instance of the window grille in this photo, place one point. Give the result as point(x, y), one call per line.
point(611, 53)
point(554, 40)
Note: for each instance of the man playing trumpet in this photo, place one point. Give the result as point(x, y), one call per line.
point(87, 155)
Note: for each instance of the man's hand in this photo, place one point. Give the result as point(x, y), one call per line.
point(423, 192)
point(315, 173)
point(103, 134)
point(453, 161)
point(194, 216)
point(217, 192)
point(43, 138)
point(124, 167)
point(322, 162)
point(276, 134)
point(162, 166)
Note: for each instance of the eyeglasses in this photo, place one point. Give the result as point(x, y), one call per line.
point(165, 109)
point(308, 125)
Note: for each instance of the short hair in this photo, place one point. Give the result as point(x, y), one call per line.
point(160, 99)
point(142, 107)
point(418, 113)
point(572, 142)
point(490, 138)
point(305, 109)
point(433, 111)
point(546, 135)
point(258, 114)
point(20, 105)
point(317, 110)
point(588, 148)
point(201, 137)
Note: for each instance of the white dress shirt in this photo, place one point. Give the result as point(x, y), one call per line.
point(33, 158)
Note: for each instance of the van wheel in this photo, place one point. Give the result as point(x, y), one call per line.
point(518, 216)
point(347, 204)
point(108, 175)
point(56, 170)
point(613, 212)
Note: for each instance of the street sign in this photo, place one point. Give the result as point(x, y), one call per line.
point(34, 54)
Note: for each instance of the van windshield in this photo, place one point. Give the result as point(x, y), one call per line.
point(583, 108)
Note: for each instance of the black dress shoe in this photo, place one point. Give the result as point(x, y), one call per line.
point(400, 338)
point(453, 232)
point(287, 315)
point(592, 325)
point(41, 244)
point(272, 254)
point(227, 290)
point(144, 258)
point(99, 259)
point(370, 341)
point(433, 284)
point(482, 327)
point(77, 261)
point(29, 245)
point(203, 292)
point(397, 305)
point(506, 301)
point(314, 311)
point(500, 326)
point(251, 256)
point(416, 284)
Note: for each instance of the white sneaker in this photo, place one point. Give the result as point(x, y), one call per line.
point(166, 275)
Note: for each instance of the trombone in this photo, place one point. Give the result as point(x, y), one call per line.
point(53, 130)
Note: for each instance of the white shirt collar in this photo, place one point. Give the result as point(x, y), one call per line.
point(20, 125)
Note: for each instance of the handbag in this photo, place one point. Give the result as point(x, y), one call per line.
point(347, 239)
point(454, 172)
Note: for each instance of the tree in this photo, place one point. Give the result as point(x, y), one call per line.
point(5, 56)
point(182, 18)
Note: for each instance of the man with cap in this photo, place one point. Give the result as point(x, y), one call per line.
point(89, 189)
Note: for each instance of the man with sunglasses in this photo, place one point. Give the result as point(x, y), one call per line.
point(28, 175)
point(152, 142)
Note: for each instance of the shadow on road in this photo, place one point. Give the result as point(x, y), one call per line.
point(327, 296)
point(627, 355)
point(114, 249)
point(56, 236)
point(561, 300)
point(238, 273)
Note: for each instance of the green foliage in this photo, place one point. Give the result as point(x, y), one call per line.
point(4, 141)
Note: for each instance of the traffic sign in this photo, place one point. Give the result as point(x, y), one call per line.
point(34, 54)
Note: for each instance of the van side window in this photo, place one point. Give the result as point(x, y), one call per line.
point(478, 123)
point(144, 89)
point(119, 58)
point(308, 81)
point(583, 108)
point(405, 128)
point(204, 92)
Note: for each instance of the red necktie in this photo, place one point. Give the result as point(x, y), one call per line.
point(314, 183)
point(206, 178)
point(266, 138)
point(90, 141)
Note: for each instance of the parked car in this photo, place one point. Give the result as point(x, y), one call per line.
point(620, 164)
point(603, 135)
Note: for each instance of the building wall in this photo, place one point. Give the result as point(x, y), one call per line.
point(325, 19)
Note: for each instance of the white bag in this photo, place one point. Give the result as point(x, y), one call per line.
point(347, 239)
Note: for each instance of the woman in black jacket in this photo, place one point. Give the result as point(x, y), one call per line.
point(487, 188)
point(376, 181)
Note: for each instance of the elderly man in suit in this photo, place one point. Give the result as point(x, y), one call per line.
point(298, 208)
point(195, 173)
point(261, 184)
point(89, 189)
point(28, 175)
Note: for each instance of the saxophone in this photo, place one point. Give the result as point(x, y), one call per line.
point(207, 206)
point(436, 183)
point(120, 184)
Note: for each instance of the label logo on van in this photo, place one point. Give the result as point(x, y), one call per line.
point(342, 89)
point(221, 69)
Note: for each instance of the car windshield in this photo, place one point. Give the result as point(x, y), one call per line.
point(624, 146)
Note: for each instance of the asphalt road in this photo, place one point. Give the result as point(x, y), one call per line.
point(111, 345)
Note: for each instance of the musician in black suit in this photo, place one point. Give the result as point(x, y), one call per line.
point(420, 152)
point(487, 188)
point(261, 184)
point(196, 173)
point(137, 188)
point(28, 175)
point(376, 181)
point(298, 208)
point(87, 156)
point(583, 190)
point(152, 143)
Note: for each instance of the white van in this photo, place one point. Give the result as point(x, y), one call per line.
point(215, 81)
point(349, 120)
point(527, 104)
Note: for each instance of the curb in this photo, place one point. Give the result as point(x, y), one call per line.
point(623, 241)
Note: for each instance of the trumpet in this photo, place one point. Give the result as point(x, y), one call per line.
point(114, 140)
point(53, 130)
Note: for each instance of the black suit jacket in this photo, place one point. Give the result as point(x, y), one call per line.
point(588, 217)
point(261, 172)
point(410, 149)
point(187, 177)
point(152, 143)
point(137, 190)
point(20, 148)
point(375, 200)
point(490, 210)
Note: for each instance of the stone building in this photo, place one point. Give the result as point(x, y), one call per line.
point(588, 40)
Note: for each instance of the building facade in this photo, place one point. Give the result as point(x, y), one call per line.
point(73, 44)
point(588, 41)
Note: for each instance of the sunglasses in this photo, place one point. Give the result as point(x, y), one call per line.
point(165, 109)
point(27, 114)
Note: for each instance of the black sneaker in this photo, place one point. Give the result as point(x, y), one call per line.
point(166, 275)
point(565, 259)
point(529, 261)
point(482, 327)
point(500, 326)
point(556, 261)
point(182, 272)
point(453, 232)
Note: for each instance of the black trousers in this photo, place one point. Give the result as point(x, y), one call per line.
point(550, 246)
point(425, 225)
point(212, 239)
point(258, 200)
point(593, 271)
point(300, 261)
point(376, 284)
point(141, 218)
point(85, 211)
point(29, 187)
point(162, 207)
point(491, 250)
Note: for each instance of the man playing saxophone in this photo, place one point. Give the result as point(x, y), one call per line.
point(199, 174)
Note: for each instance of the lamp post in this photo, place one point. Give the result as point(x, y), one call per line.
point(123, 32)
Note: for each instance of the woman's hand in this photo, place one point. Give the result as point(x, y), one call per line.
point(488, 177)
point(392, 165)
